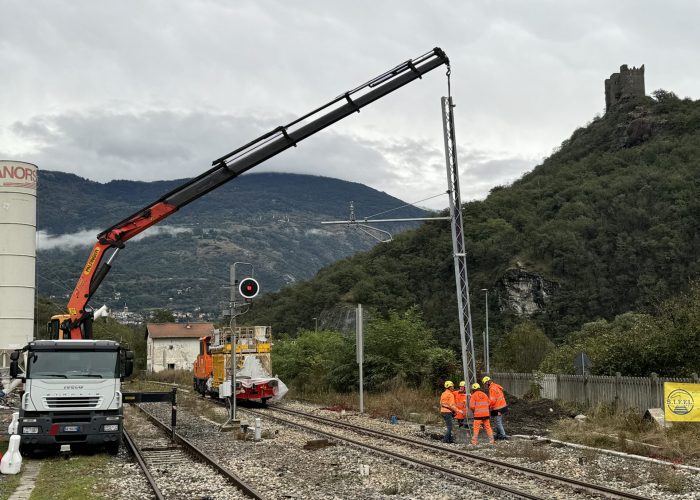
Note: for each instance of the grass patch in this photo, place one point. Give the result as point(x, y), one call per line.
point(630, 433)
point(670, 480)
point(181, 377)
point(399, 401)
point(8, 484)
point(81, 476)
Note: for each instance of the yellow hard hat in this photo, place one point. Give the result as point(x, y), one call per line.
point(476, 386)
point(485, 379)
point(462, 384)
point(448, 383)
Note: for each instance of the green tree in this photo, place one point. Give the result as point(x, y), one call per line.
point(523, 349)
point(131, 337)
point(162, 316)
point(397, 349)
point(43, 310)
point(636, 344)
point(309, 361)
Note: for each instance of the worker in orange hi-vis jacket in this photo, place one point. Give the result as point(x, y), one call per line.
point(461, 404)
point(498, 405)
point(448, 409)
point(479, 405)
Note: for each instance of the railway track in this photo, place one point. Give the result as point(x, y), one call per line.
point(574, 486)
point(180, 467)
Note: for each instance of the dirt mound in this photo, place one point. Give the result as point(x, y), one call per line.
point(532, 416)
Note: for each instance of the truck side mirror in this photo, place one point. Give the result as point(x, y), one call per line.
point(129, 363)
point(14, 364)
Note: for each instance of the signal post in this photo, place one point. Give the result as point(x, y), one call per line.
point(242, 294)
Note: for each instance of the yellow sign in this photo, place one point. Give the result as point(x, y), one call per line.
point(681, 402)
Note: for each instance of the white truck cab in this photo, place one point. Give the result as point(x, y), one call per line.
point(72, 393)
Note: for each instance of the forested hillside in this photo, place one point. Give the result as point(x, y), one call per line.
point(611, 220)
point(270, 220)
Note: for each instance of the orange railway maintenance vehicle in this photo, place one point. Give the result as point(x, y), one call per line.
point(202, 369)
point(254, 379)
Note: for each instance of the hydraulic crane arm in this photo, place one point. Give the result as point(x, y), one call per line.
point(226, 168)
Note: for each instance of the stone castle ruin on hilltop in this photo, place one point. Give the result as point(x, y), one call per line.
point(626, 83)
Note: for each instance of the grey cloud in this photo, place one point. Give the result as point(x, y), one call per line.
point(161, 145)
point(106, 92)
point(151, 145)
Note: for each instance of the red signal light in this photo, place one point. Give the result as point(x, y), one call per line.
point(248, 288)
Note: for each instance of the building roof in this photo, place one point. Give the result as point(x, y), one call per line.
point(178, 330)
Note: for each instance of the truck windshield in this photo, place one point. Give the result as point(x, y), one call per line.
point(73, 364)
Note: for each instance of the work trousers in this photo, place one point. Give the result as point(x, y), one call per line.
point(448, 432)
point(478, 422)
point(498, 422)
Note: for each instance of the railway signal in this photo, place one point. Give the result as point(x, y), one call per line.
point(248, 288)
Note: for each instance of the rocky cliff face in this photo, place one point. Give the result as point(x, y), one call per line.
point(523, 292)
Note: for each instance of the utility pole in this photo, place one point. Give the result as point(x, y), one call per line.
point(236, 307)
point(360, 351)
point(458, 249)
point(487, 350)
point(483, 340)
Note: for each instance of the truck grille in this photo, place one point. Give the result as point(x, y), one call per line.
point(73, 402)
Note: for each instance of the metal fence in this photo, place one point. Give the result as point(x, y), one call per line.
point(640, 393)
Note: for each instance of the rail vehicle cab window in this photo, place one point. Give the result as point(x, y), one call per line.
point(53, 329)
point(204, 347)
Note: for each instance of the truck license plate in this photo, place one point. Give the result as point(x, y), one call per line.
point(71, 428)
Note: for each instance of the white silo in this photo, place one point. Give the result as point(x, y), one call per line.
point(18, 182)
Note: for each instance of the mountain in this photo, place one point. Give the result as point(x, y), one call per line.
point(270, 220)
point(609, 223)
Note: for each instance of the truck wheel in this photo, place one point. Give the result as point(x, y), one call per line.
point(113, 447)
point(265, 400)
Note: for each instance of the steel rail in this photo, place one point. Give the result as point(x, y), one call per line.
point(574, 483)
point(193, 449)
point(402, 458)
point(142, 463)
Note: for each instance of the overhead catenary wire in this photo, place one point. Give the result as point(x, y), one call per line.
point(62, 286)
point(413, 204)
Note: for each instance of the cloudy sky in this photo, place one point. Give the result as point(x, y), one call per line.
point(158, 89)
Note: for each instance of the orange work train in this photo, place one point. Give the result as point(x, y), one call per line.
point(254, 380)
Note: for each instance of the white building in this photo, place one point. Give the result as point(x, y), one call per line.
point(174, 346)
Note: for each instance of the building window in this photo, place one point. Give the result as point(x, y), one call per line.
point(171, 366)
